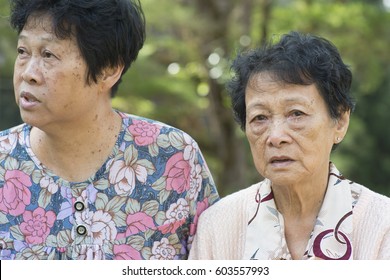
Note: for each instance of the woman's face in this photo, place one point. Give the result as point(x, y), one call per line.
point(50, 77)
point(289, 130)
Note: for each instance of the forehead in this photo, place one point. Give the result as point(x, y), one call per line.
point(44, 23)
point(263, 88)
point(39, 21)
point(39, 29)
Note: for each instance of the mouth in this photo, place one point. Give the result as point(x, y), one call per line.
point(280, 160)
point(28, 97)
point(28, 101)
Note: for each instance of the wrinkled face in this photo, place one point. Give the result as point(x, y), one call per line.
point(50, 76)
point(289, 130)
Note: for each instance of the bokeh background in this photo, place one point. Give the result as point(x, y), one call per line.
point(180, 76)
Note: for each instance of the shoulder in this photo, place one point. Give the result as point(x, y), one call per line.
point(373, 206)
point(13, 130)
point(371, 225)
point(133, 120)
point(10, 137)
point(162, 133)
point(374, 199)
point(232, 207)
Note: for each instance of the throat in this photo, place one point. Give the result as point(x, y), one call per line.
point(297, 234)
point(76, 157)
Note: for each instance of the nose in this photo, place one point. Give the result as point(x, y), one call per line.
point(278, 133)
point(31, 71)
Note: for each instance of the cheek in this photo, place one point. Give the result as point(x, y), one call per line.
point(79, 71)
point(255, 140)
point(17, 75)
point(77, 77)
point(316, 143)
point(257, 146)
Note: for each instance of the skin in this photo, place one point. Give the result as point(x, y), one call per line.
point(74, 125)
point(291, 134)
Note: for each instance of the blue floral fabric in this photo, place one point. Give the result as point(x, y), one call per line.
point(143, 203)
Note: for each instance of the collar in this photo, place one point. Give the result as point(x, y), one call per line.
point(332, 233)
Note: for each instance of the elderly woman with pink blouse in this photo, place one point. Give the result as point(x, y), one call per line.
point(292, 100)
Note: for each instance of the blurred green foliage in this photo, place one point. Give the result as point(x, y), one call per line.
point(180, 75)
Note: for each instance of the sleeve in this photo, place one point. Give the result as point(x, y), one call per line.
point(221, 229)
point(204, 236)
point(384, 251)
point(202, 193)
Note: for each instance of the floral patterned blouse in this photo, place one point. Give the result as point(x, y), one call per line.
point(143, 203)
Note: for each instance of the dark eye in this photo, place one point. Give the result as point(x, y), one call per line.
point(260, 118)
point(21, 51)
point(47, 54)
point(297, 113)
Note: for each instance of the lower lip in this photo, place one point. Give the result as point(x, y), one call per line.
point(282, 164)
point(27, 105)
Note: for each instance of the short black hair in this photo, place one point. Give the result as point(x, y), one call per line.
point(300, 59)
point(109, 33)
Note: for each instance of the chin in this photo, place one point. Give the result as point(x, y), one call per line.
point(281, 182)
point(282, 178)
point(31, 120)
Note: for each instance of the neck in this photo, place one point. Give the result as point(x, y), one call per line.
point(300, 204)
point(302, 200)
point(76, 150)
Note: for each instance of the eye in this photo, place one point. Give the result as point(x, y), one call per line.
point(260, 118)
point(21, 51)
point(47, 54)
point(297, 113)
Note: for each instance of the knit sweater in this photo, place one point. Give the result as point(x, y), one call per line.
point(222, 228)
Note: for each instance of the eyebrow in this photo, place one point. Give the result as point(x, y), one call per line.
point(46, 38)
point(299, 100)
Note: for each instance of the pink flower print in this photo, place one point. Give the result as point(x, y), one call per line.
point(138, 222)
point(176, 216)
point(144, 133)
point(36, 225)
point(200, 207)
point(126, 252)
point(123, 176)
point(15, 195)
point(162, 250)
point(178, 174)
point(8, 143)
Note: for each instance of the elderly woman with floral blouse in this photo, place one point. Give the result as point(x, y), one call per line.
point(292, 100)
point(78, 179)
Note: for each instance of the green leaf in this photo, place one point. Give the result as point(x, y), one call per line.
point(148, 165)
point(136, 241)
point(163, 141)
point(150, 207)
point(177, 140)
point(132, 206)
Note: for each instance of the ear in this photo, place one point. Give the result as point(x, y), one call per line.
point(342, 126)
point(110, 76)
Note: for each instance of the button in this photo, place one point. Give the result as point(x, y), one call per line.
point(79, 206)
point(81, 230)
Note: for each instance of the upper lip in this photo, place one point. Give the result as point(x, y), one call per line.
point(279, 158)
point(28, 96)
